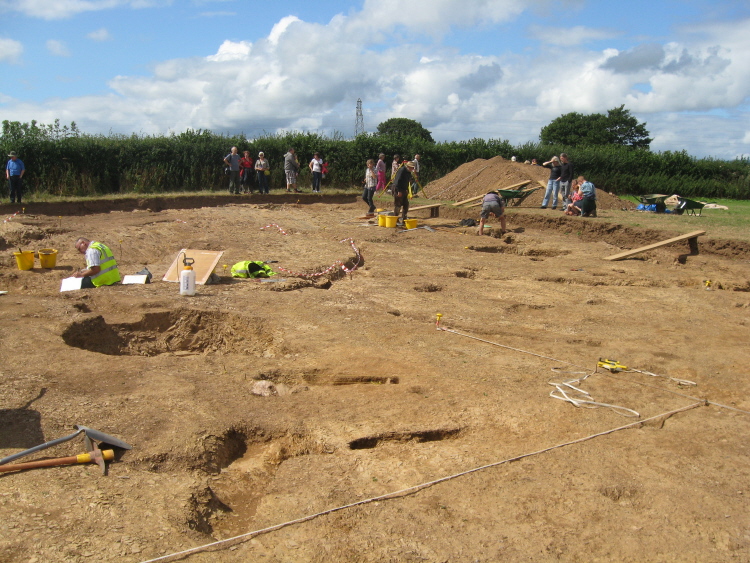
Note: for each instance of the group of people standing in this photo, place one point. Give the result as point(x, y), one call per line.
point(244, 173)
point(404, 182)
point(577, 197)
point(241, 170)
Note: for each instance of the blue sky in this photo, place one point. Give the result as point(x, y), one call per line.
point(463, 68)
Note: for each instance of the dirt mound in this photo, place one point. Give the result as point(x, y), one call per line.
point(480, 176)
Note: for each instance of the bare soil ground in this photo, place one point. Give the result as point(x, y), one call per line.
point(364, 397)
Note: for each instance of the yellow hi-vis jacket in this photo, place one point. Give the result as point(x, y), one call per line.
point(109, 273)
point(252, 269)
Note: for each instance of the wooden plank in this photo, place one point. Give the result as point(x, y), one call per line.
point(205, 262)
point(467, 200)
point(434, 209)
point(628, 253)
point(518, 185)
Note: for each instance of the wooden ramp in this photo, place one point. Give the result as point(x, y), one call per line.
point(433, 207)
point(692, 238)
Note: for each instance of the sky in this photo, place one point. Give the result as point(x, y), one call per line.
point(491, 69)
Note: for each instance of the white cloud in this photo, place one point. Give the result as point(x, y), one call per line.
point(309, 76)
point(10, 50)
point(101, 34)
point(436, 17)
point(61, 9)
point(280, 28)
point(567, 37)
point(231, 51)
point(57, 48)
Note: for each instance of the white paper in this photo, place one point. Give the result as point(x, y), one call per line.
point(135, 279)
point(71, 284)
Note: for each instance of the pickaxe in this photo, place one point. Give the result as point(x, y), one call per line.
point(91, 447)
point(71, 460)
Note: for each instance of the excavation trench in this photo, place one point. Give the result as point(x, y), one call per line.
point(179, 332)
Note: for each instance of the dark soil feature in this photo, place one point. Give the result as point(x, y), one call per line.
point(157, 204)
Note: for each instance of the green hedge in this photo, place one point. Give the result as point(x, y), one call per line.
point(64, 162)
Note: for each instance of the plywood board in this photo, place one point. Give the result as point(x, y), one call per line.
point(635, 251)
point(205, 262)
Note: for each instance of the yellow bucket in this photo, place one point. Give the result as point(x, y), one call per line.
point(47, 257)
point(25, 259)
point(381, 220)
point(410, 224)
point(390, 221)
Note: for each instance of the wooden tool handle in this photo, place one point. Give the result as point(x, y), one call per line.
point(71, 460)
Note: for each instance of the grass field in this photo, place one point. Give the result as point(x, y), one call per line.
point(732, 223)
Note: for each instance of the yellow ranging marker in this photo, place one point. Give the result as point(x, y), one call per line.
point(612, 365)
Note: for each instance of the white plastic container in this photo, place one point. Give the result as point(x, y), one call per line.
point(187, 281)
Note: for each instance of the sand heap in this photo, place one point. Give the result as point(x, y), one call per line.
point(480, 176)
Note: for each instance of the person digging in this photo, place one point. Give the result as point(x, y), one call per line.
point(492, 204)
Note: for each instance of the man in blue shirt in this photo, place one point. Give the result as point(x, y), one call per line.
point(588, 203)
point(232, 160)
point(14, 171)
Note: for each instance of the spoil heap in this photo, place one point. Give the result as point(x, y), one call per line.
point(480, 176)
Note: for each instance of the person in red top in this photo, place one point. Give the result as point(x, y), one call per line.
point(246, 173)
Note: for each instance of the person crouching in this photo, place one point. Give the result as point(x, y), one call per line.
point(492, 204)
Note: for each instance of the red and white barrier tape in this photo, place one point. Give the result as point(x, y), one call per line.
point(282, 231)
point(337, 264)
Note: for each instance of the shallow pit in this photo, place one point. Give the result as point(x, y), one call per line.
point(180, 332)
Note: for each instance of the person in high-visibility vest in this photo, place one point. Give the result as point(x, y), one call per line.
point(101, 266)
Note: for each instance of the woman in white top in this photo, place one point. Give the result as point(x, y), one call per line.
point(262, 172)
point(316, 167)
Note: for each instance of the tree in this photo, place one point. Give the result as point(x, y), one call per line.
point(618, 127)
point(403, 127)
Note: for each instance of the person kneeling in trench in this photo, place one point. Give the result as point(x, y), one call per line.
point(492, 204)
point(101, 267)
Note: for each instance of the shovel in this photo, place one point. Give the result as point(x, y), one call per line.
point(89, 433)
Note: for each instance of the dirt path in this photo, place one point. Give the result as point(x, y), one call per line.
point(369, 397)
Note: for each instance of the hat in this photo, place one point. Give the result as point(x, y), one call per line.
point(12, 153)
point(260, 154)
point(409, 164)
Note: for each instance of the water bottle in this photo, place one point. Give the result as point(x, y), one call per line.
point(187, 278)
